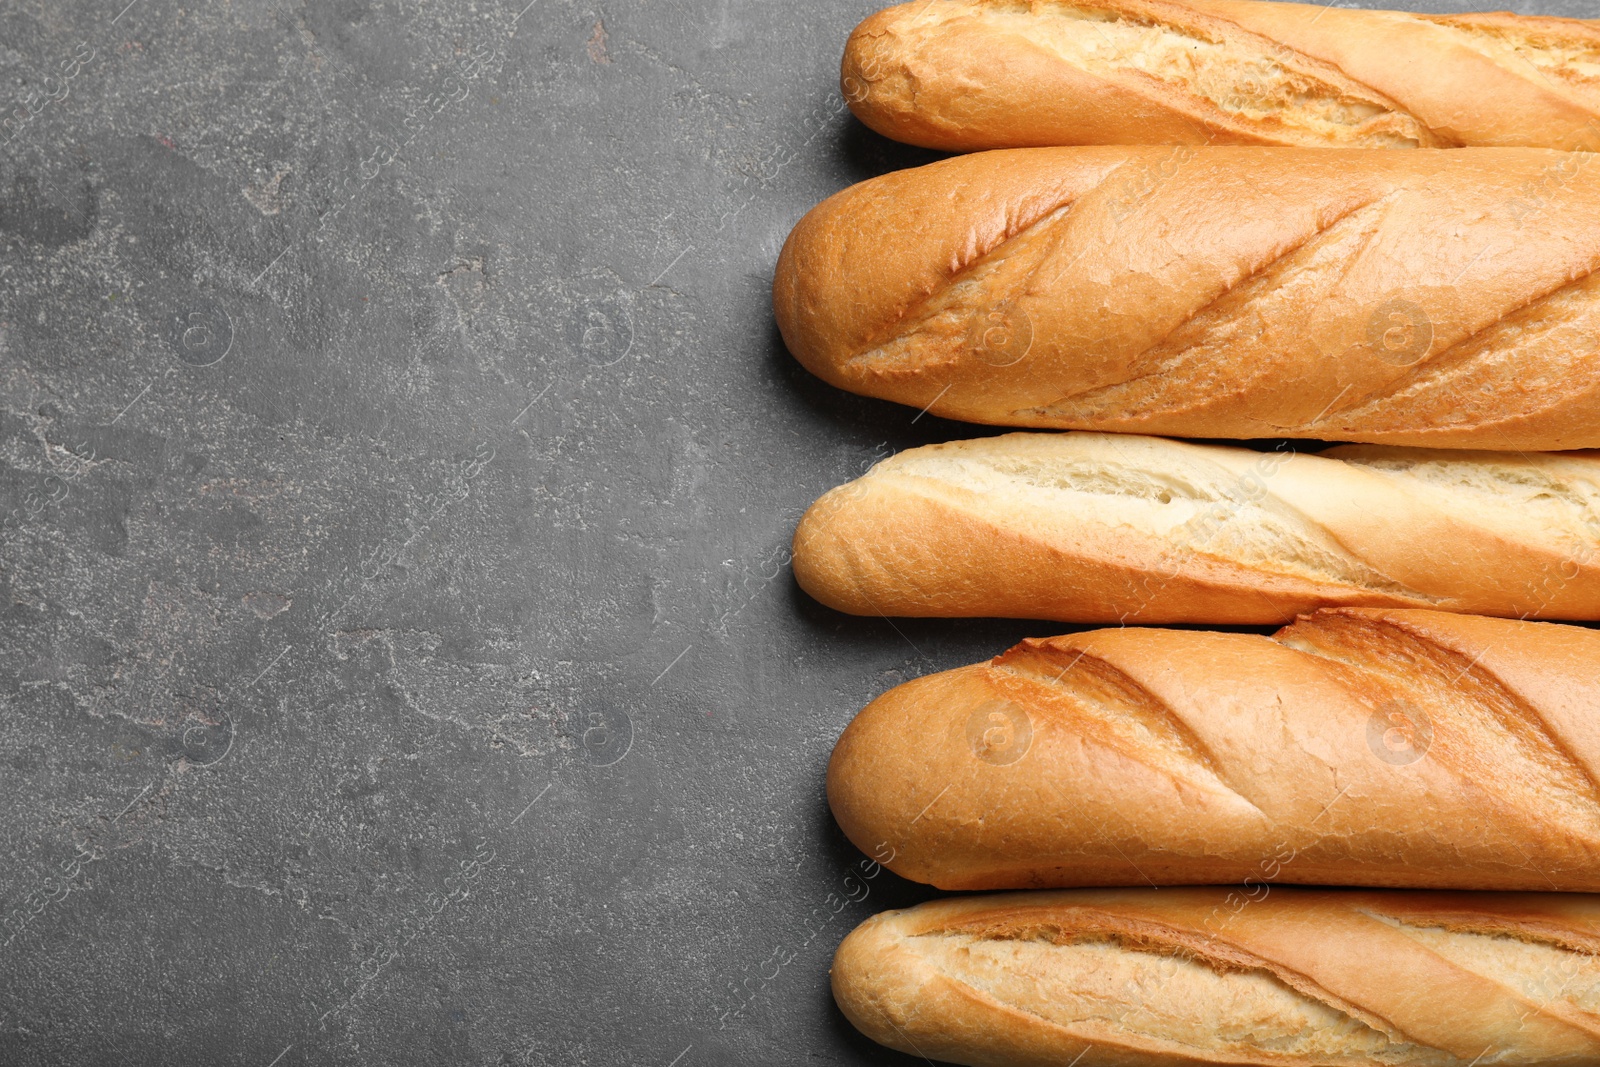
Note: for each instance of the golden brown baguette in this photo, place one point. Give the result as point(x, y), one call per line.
point(974, 74)
point(1297, 978)
point(1087, 527)
point(1399, 748)
point(1445, 299)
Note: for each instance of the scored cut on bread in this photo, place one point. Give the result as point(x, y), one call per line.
point(965, 75)
point(1185, 977)
point(1087, 527)
point(1440, 299)
point(1400, 748)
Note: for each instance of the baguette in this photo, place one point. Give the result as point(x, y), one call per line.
point(1443, 299)
point(1097, 528)
point(973, 74)
point(1400, 748)
point(1297, 978)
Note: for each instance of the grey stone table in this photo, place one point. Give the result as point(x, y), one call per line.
point(398, 658)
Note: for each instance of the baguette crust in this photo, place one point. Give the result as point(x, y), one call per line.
point(1085, 527)
point(965, 75)
point(1440, 299)
point(1298, 978)
point(1355, 747)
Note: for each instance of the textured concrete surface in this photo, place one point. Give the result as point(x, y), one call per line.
point(400, 663)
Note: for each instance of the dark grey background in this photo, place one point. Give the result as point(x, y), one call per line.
point(400, 663)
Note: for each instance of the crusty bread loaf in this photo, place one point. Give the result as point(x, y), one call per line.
point(1086, 527)
point(1297, 978)
point(1446, 299)
point(1411, 749)
point(974, 74)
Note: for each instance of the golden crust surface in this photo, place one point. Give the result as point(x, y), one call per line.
point(1183, 977)
point(1437, 299)
point(1396, 748)
point(1103, 528)
point(966, 75)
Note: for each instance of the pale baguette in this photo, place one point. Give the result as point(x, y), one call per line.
point(974, 74)
point(1410, 749)
point(1085, 527)
point(1445, 299)
point(1296, 978)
